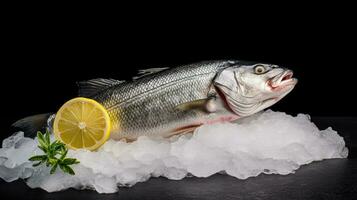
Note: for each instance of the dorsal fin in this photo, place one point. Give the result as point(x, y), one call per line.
point(145, 72)
point(91, 87)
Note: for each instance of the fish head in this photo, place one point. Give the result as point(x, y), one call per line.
point(250, 88)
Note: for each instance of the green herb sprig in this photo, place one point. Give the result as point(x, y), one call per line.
point(55, 154)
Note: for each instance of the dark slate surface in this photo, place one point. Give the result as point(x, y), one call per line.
point(328, 179)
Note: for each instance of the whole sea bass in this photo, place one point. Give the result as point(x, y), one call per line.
point(166, 102)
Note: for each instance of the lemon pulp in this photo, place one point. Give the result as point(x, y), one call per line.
point(82, 123)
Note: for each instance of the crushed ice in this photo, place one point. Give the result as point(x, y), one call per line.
point(268, 142)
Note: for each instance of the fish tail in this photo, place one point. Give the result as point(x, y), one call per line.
point(30, 125)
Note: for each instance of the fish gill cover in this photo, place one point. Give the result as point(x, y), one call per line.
point(268, 142)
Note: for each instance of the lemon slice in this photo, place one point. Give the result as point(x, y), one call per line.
point(82, 123)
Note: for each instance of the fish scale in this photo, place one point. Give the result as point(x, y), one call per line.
point(165, 102)
point(146, 106)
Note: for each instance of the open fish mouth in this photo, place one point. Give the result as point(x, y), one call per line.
point(282, 80)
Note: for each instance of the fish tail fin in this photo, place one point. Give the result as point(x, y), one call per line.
point(30, 125)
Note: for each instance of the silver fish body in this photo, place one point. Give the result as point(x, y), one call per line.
point(171, 101)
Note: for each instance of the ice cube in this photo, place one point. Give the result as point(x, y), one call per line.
point(268, 142)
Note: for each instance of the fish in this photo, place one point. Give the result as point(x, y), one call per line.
point(162, 102)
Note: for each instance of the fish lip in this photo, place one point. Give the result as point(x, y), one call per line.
point(282, 80)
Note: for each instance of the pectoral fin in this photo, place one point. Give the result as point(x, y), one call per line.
point(207, 105)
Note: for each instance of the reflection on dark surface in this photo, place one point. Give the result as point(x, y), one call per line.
point(328, 179)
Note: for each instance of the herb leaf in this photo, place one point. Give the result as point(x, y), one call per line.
point(64, 153)
point(55, 154)
point(53, 169)
point(69, 161)
point(38, 158)
point(41, 139)
point(42, 148)
point(47, 138)
point(67, 169)
point(37, 164)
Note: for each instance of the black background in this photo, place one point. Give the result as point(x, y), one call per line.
point(45, 51)
point(42, 60)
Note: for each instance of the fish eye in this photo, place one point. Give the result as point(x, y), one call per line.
point(259, 69)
